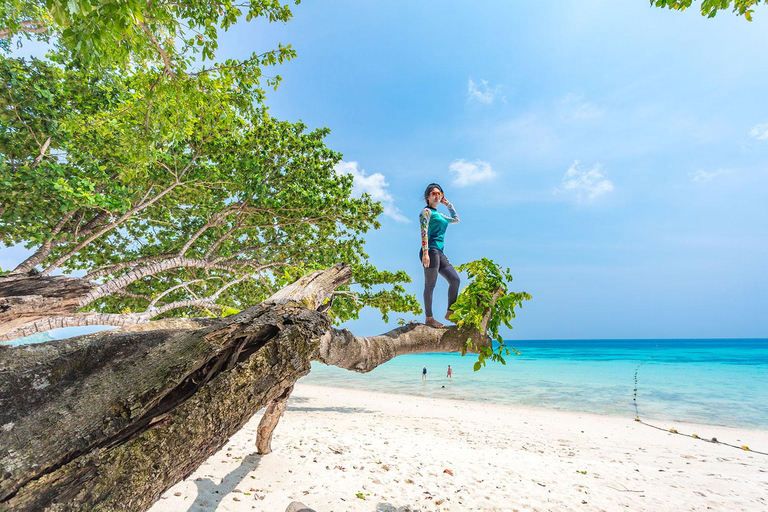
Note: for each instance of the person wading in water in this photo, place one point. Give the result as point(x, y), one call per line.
point(433, 225)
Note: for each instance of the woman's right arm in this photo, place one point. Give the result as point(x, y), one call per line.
point(426, 214)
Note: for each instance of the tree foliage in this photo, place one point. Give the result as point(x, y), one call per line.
point(710, 8)
point(137, 33)
point(163, 179)
point(177, 196)
point(486, 304)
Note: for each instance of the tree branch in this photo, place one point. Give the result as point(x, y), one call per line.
point(80, 320)
point(230, 258)
point(116, 267)
point(171, 289)
point(89, 319)
point(148, 270)
point(142, 205)
point(95, 222)
point(16, 113)
point(27, 27)
point(40, 157)
point(214, 221)
point(364, 353)
point(197, 303)
point(212, 249)
point(166, 60)
point(45, 249)
point(131, 295)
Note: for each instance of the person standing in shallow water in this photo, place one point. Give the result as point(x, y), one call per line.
point(433, 226)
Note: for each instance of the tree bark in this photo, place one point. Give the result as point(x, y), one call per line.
point(28, 298)
point(364, 353)
point(31, 303)
point(27, 27)
point(109, 421)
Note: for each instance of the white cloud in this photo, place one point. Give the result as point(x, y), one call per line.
point(584, 186)
point(470, 173)
point(574, 107)
point(702, 176)
point(374, 185)
point(760, 131)
point(483, 93)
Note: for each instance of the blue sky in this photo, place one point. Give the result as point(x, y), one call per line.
point(613, 155)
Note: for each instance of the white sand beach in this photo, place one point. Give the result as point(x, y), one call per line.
point(344, 450)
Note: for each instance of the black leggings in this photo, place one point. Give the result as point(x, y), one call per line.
point(439, 264)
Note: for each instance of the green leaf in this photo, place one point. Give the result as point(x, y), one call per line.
point(486, 296)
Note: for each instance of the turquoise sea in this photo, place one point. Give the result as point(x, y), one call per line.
point(709, 381)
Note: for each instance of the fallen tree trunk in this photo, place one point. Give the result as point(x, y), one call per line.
point(27, 298)
point(110, 420)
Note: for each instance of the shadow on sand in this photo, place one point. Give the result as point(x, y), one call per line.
point(388, 507)
point(213, 494)
point(303, 400)
point(345, 410)
point(210, 495)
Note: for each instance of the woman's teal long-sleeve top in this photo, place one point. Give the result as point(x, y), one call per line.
point(433, 226)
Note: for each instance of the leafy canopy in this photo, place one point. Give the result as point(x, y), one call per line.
point(134, 156)
point(178, 194)
point(134, 33)
point(710, 8)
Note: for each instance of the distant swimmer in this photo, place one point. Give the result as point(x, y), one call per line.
point(424, 373)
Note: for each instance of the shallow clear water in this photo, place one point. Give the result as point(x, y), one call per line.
point(712, 381)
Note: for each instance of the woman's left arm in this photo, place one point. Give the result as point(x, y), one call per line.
point(454, 216)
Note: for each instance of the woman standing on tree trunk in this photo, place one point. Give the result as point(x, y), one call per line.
point(433, 226)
